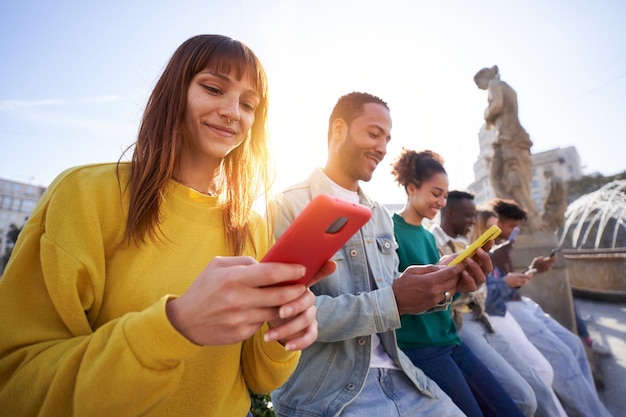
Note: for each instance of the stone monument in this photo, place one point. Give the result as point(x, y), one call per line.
point(511, 166)
point(555, 204)
point(510, 172)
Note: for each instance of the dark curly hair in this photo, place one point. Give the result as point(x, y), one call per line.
point(412, 167)
point(508, 209)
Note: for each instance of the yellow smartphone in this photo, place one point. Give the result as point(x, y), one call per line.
point(489, 234)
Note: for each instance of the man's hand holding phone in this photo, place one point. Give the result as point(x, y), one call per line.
point(484, 241)
point(517, 279)
point(422, 287)
point(477, 260)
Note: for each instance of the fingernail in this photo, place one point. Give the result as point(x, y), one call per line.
point(269, 336)
point(285, 312)
point(289, 347)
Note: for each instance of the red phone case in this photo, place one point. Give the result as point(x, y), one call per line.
point(317, 233)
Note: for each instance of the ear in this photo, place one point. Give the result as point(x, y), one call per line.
point(411, 189)
point(339, 129)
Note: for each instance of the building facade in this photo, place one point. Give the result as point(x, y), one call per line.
point(17, 202)
point(564, 163)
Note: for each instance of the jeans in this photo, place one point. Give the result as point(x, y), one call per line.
point(508, 367)
point(573, 382)
point(465, 379)
point(390, 393)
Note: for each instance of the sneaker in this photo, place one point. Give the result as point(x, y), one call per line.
point(600, 349)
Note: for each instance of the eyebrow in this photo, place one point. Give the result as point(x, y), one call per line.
point(227, 79)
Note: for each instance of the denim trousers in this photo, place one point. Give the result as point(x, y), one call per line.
point(465, 379)
point(390, 393)
point(573, 382)
point(508, 366)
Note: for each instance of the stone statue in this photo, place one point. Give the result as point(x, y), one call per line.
point(556, 202)
point(511, 166)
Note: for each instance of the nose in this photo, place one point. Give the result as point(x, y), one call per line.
point(230, 108)
point(381, 147)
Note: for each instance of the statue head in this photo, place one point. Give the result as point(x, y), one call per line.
point(548, 173)
point(485, 75)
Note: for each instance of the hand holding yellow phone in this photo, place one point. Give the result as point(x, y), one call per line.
point(489, 234)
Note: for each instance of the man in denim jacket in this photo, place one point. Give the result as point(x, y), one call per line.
point(356, 367)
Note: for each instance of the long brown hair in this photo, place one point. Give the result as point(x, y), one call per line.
point(246, 171)
point(482, 217)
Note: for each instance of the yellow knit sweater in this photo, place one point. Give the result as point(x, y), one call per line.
point(83, 329)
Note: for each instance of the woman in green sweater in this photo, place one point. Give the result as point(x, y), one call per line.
point(133, 288)
point(431, 340)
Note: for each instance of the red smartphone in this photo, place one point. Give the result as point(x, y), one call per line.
point(317, 233)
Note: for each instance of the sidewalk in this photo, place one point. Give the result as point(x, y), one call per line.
point(606, 322)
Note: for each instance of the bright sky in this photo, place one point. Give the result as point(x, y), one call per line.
point(75, 75)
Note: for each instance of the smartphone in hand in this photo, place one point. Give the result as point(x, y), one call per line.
point(317, 233)
point(513, 234)
point(554, 252)
point(490, 234)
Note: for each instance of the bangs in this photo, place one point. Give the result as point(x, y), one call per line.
point(232, 56)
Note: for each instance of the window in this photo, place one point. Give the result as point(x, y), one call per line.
point(28, 205)
point(6, 202)
point(15, 204)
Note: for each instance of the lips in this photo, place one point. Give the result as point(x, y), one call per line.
point(223, 130)
point(374, 157)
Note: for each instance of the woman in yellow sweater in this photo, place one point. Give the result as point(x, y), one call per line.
point(133, 288)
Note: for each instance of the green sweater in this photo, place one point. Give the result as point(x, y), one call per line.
point(417, 247)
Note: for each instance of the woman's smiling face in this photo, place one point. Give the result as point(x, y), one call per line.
point(219, 114)
point(427, 200)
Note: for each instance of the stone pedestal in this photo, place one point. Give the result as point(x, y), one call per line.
point(551, 289)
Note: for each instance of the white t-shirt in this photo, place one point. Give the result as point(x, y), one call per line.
point(379, 357)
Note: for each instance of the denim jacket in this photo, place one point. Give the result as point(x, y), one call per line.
point(333, 370)
point(498, 293)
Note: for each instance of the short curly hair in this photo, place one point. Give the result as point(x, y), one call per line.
point(412, 167)
point(508, 209)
